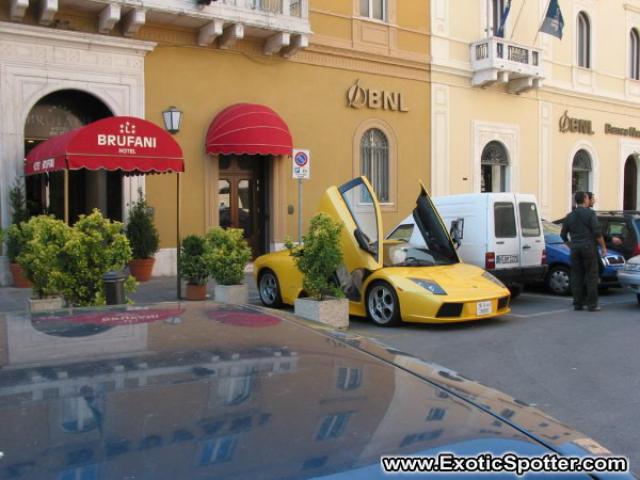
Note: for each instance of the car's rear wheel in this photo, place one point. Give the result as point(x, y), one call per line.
point(269, 289)
point(559, 280)
point(383, 306)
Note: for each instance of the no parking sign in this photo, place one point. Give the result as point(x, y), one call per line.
point(301, 164)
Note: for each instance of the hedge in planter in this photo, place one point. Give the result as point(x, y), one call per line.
point(96, 246)
point(14, 235)
point(43, 239)
point(230, 253)
point(319, 257)
point(195, 266)
point(143, 237)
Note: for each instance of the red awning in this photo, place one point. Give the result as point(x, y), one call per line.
point(129, 144)
point(249, 129)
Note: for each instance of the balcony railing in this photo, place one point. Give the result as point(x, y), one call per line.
point(498, 60)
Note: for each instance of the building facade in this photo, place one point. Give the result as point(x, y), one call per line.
point(528, 112)
point(347, 79)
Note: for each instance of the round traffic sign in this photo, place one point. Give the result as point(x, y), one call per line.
point(301, 159)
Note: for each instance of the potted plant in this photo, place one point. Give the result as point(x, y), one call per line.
point(14, 234)
point(230, 254)
point(195, 266)
point(143, 238)
point(318, 259)
point(96, 245)
point(43, 239)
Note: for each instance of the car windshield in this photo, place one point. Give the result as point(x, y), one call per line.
point(552, 233)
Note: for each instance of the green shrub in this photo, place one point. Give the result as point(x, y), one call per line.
point(43, 239)
point(195, 260)
point(319, 257)
point(229, 255)
point(141, 231)
point(96, 246)
point(18, 203)
point(15, 238)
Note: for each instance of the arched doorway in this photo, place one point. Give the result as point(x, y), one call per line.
point(494, 168)
point(55, 114)
point(630, 200)
point(581, 170)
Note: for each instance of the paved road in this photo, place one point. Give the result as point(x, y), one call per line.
point(579, 367)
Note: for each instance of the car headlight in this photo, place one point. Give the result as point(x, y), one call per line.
point(430, 285)
point(491, 278)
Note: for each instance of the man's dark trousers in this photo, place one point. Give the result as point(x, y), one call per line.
point(584, 275)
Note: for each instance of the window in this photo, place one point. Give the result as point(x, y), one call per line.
point(494, 168)
point(333, 426)
point(529, 219)
point(402, 233)
point(581, 173)
point(349, 378)
point(584, 41)
point(504, 220)
point(435, 414)
point(374, 9)
point(218, 450)
point(497, 9)
point(634, 54)
point(235, 390)
point(374, 154)
point(420, 437)
point(80, 414)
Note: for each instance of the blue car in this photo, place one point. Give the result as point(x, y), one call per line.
point(558, 279)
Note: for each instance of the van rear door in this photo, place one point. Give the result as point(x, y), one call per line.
point(504, 244)
point(532, 241)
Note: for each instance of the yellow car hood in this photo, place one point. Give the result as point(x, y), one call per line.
point(457, 280)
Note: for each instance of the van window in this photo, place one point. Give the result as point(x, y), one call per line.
point(402, 232)
point(504, 217)
point(529, 219)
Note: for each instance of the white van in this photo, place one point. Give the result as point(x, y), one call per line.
point(501, 232)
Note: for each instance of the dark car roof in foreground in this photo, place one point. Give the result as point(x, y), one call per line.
point(182, 391)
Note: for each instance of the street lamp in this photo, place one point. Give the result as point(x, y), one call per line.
point(172, 118)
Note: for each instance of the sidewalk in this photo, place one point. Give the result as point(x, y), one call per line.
point(158, 289)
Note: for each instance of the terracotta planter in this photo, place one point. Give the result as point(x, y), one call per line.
point(141, 268)
point(19, 280)
point(196, 292)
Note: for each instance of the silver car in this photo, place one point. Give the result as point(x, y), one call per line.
point(630, 275)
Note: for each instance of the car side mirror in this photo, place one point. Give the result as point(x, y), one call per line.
point(456, 231)
point(363, 240)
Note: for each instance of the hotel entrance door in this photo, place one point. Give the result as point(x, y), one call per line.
point(242, 197)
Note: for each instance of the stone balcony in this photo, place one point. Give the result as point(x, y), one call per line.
point(282, 24)
point(496, 60)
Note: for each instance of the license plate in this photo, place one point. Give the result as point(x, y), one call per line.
point(483, 308)
point(507, 259)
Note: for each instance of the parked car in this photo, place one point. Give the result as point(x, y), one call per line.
point(206, 390)
point(558, 279)
point(630, 276)
point(621, 230)
point(500, 232)
point(412, 279)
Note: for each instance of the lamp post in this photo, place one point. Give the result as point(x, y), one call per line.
point(172, 119)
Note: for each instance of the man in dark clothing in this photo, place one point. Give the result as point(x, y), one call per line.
point(581, 226)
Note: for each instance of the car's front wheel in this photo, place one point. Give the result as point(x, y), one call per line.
point(383, 307)
point(269, 289)
point(559, 280)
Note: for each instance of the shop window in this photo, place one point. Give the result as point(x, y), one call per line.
point(374, 154)
point(584, 41)
point(494, 168)
point(634, 54)
point(376, 9)
point(581, 173)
